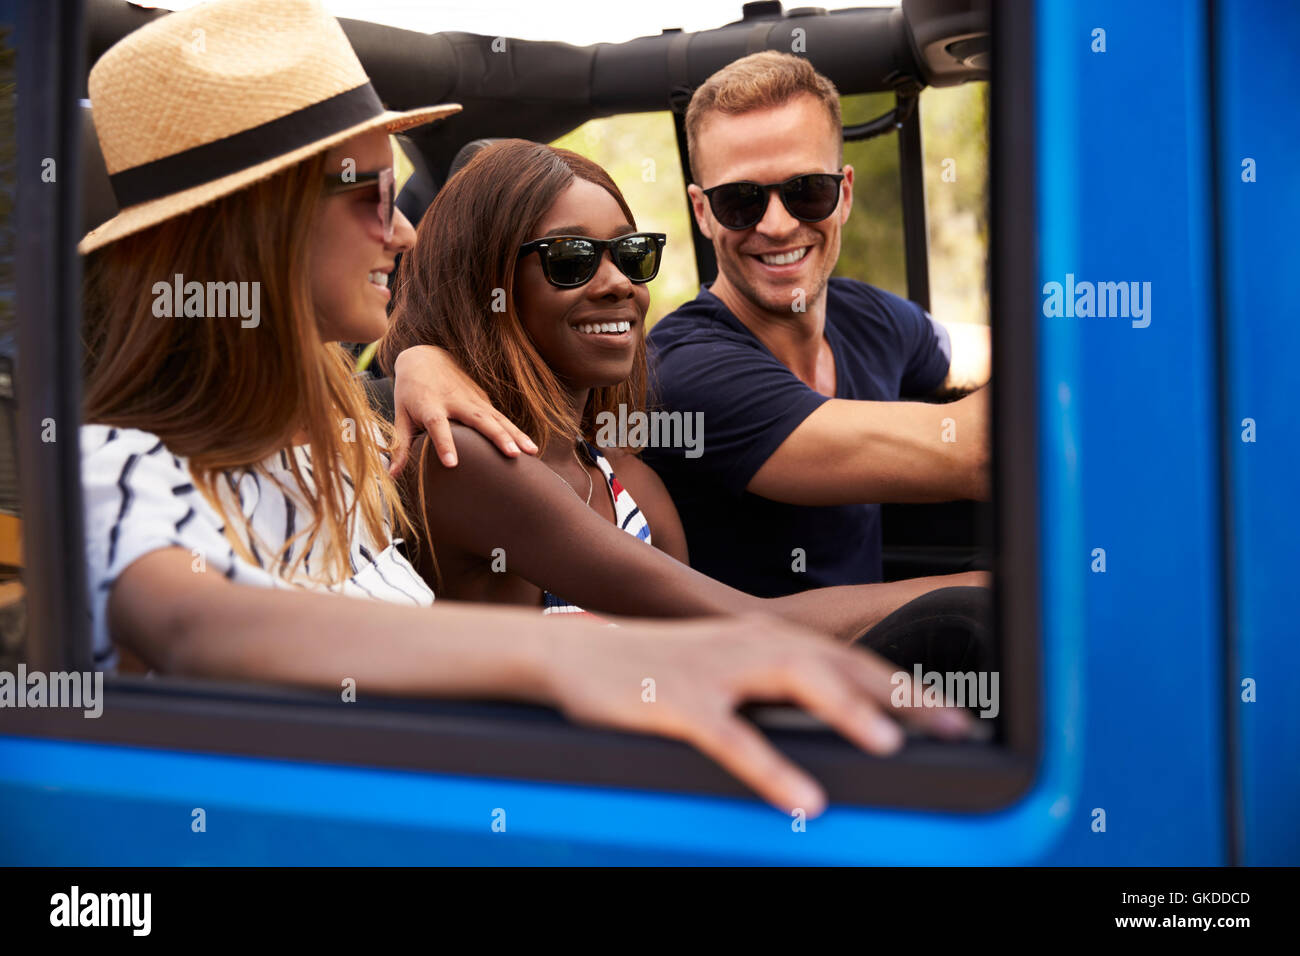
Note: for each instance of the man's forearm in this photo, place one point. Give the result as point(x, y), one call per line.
point(851, 452)
point(920, 452)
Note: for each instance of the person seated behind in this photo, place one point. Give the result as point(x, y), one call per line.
point(796, 374)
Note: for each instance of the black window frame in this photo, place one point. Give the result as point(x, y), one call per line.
point(494, 739)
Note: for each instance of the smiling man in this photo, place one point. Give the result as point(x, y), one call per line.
point(798, 375)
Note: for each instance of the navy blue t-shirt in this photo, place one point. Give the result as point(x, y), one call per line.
point(704, 360)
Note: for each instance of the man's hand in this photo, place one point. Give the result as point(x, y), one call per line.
point(429, 391)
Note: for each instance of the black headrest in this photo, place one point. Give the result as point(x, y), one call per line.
point(468, 152)
point(418, 191)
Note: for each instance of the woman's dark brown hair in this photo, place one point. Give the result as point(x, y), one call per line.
point(456, 287)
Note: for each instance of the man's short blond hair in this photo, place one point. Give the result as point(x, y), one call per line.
point(759, 81)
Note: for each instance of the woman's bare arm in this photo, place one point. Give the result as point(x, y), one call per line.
point(554, 540)
point(849, 610)
point(200, 624)
point(551, 538)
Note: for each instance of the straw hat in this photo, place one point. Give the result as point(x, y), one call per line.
point(201, 103)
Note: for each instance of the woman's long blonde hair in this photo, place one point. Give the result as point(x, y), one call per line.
point(229, 397)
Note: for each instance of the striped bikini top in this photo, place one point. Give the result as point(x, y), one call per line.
point(626, 514)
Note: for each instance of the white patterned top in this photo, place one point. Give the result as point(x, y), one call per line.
point(139, 497)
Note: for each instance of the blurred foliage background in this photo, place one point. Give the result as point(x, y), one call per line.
point(640, 151)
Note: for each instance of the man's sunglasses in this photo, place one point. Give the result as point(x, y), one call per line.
point(809, 198)
point(387, 181)
point(571, 261)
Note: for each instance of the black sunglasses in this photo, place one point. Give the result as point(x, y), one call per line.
point(387, 181)
point(809, 198)
point(571, 261)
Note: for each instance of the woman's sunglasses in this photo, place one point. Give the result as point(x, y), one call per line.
point(571, 261)
point(809, 198)
point(387, 181)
